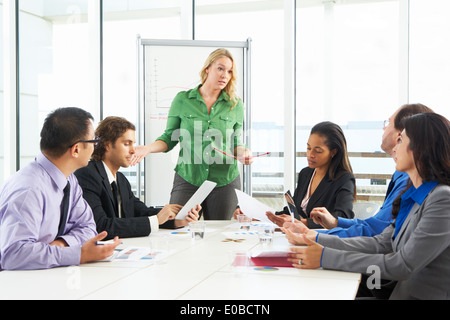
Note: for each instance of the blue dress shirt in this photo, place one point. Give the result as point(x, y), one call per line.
point(409, 198)
point(30, 211)
point(374, 225)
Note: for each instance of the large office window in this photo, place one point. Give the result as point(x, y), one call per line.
point(348, 73)
point(356, 62)
point(123, 22)
point(55, 68)
point(262, 22)
point(429, 80)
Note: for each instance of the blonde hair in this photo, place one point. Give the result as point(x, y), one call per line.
point(230, 88)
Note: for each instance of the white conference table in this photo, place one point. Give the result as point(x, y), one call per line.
point(194, 270)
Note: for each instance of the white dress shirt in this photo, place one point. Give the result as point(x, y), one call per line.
point(154, 224)
point(305, 200)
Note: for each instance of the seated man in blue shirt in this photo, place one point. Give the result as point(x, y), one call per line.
point(44, 220)
point(343, 227)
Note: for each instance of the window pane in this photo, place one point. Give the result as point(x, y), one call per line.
point(347, 73)
point(54, 65)
point(429, 54)
point(123, 21)
point(263, 23)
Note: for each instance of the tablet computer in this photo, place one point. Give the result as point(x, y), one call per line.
point(197, 198)
point(291, 205)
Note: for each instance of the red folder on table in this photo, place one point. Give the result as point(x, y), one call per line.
point(265, 259)
point(271, 259)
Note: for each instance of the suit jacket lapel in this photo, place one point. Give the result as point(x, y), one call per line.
point(302, 188)
point(409, 218)
point(101, 170)
point(322, 188)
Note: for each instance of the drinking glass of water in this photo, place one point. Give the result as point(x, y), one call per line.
point(244, 222)
point(197, 229)
point(265, 234)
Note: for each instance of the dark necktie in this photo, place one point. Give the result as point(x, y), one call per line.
point(64, 210)
point(390, 187)
point(115, 190)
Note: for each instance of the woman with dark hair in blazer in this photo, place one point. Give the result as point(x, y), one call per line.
point(327, 184)
point(414, 251)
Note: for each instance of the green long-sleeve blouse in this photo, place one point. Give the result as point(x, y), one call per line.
point(199, 133)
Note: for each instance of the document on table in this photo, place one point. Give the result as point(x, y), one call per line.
point(181, 232)
point(252, 207)
point(238, 234)
point(129, 254)
point(137, 254)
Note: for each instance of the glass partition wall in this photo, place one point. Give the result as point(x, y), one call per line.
point(123, 22)
point(348, 73)
point(56, 65)
point(263, 22)
point(356, 62)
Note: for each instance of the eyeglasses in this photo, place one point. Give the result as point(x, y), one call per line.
point(95, 141)
point(385, 123)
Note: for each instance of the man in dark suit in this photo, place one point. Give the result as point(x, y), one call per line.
point(108, 191)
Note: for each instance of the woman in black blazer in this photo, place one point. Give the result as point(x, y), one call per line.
point(327, 184)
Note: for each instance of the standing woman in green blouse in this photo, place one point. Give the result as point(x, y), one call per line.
point(204, 119)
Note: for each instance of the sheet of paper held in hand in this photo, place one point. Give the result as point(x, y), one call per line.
point(197, 198)
point(252, 207)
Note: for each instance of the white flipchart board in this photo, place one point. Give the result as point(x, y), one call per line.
point(168, 67)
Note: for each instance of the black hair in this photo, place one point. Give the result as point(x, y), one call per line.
point(429, 135)
point(109, 130)
point(62, 128)
point(335, 140)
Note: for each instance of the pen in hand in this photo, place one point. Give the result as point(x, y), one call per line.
point(262, 154)
point(102, 243)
